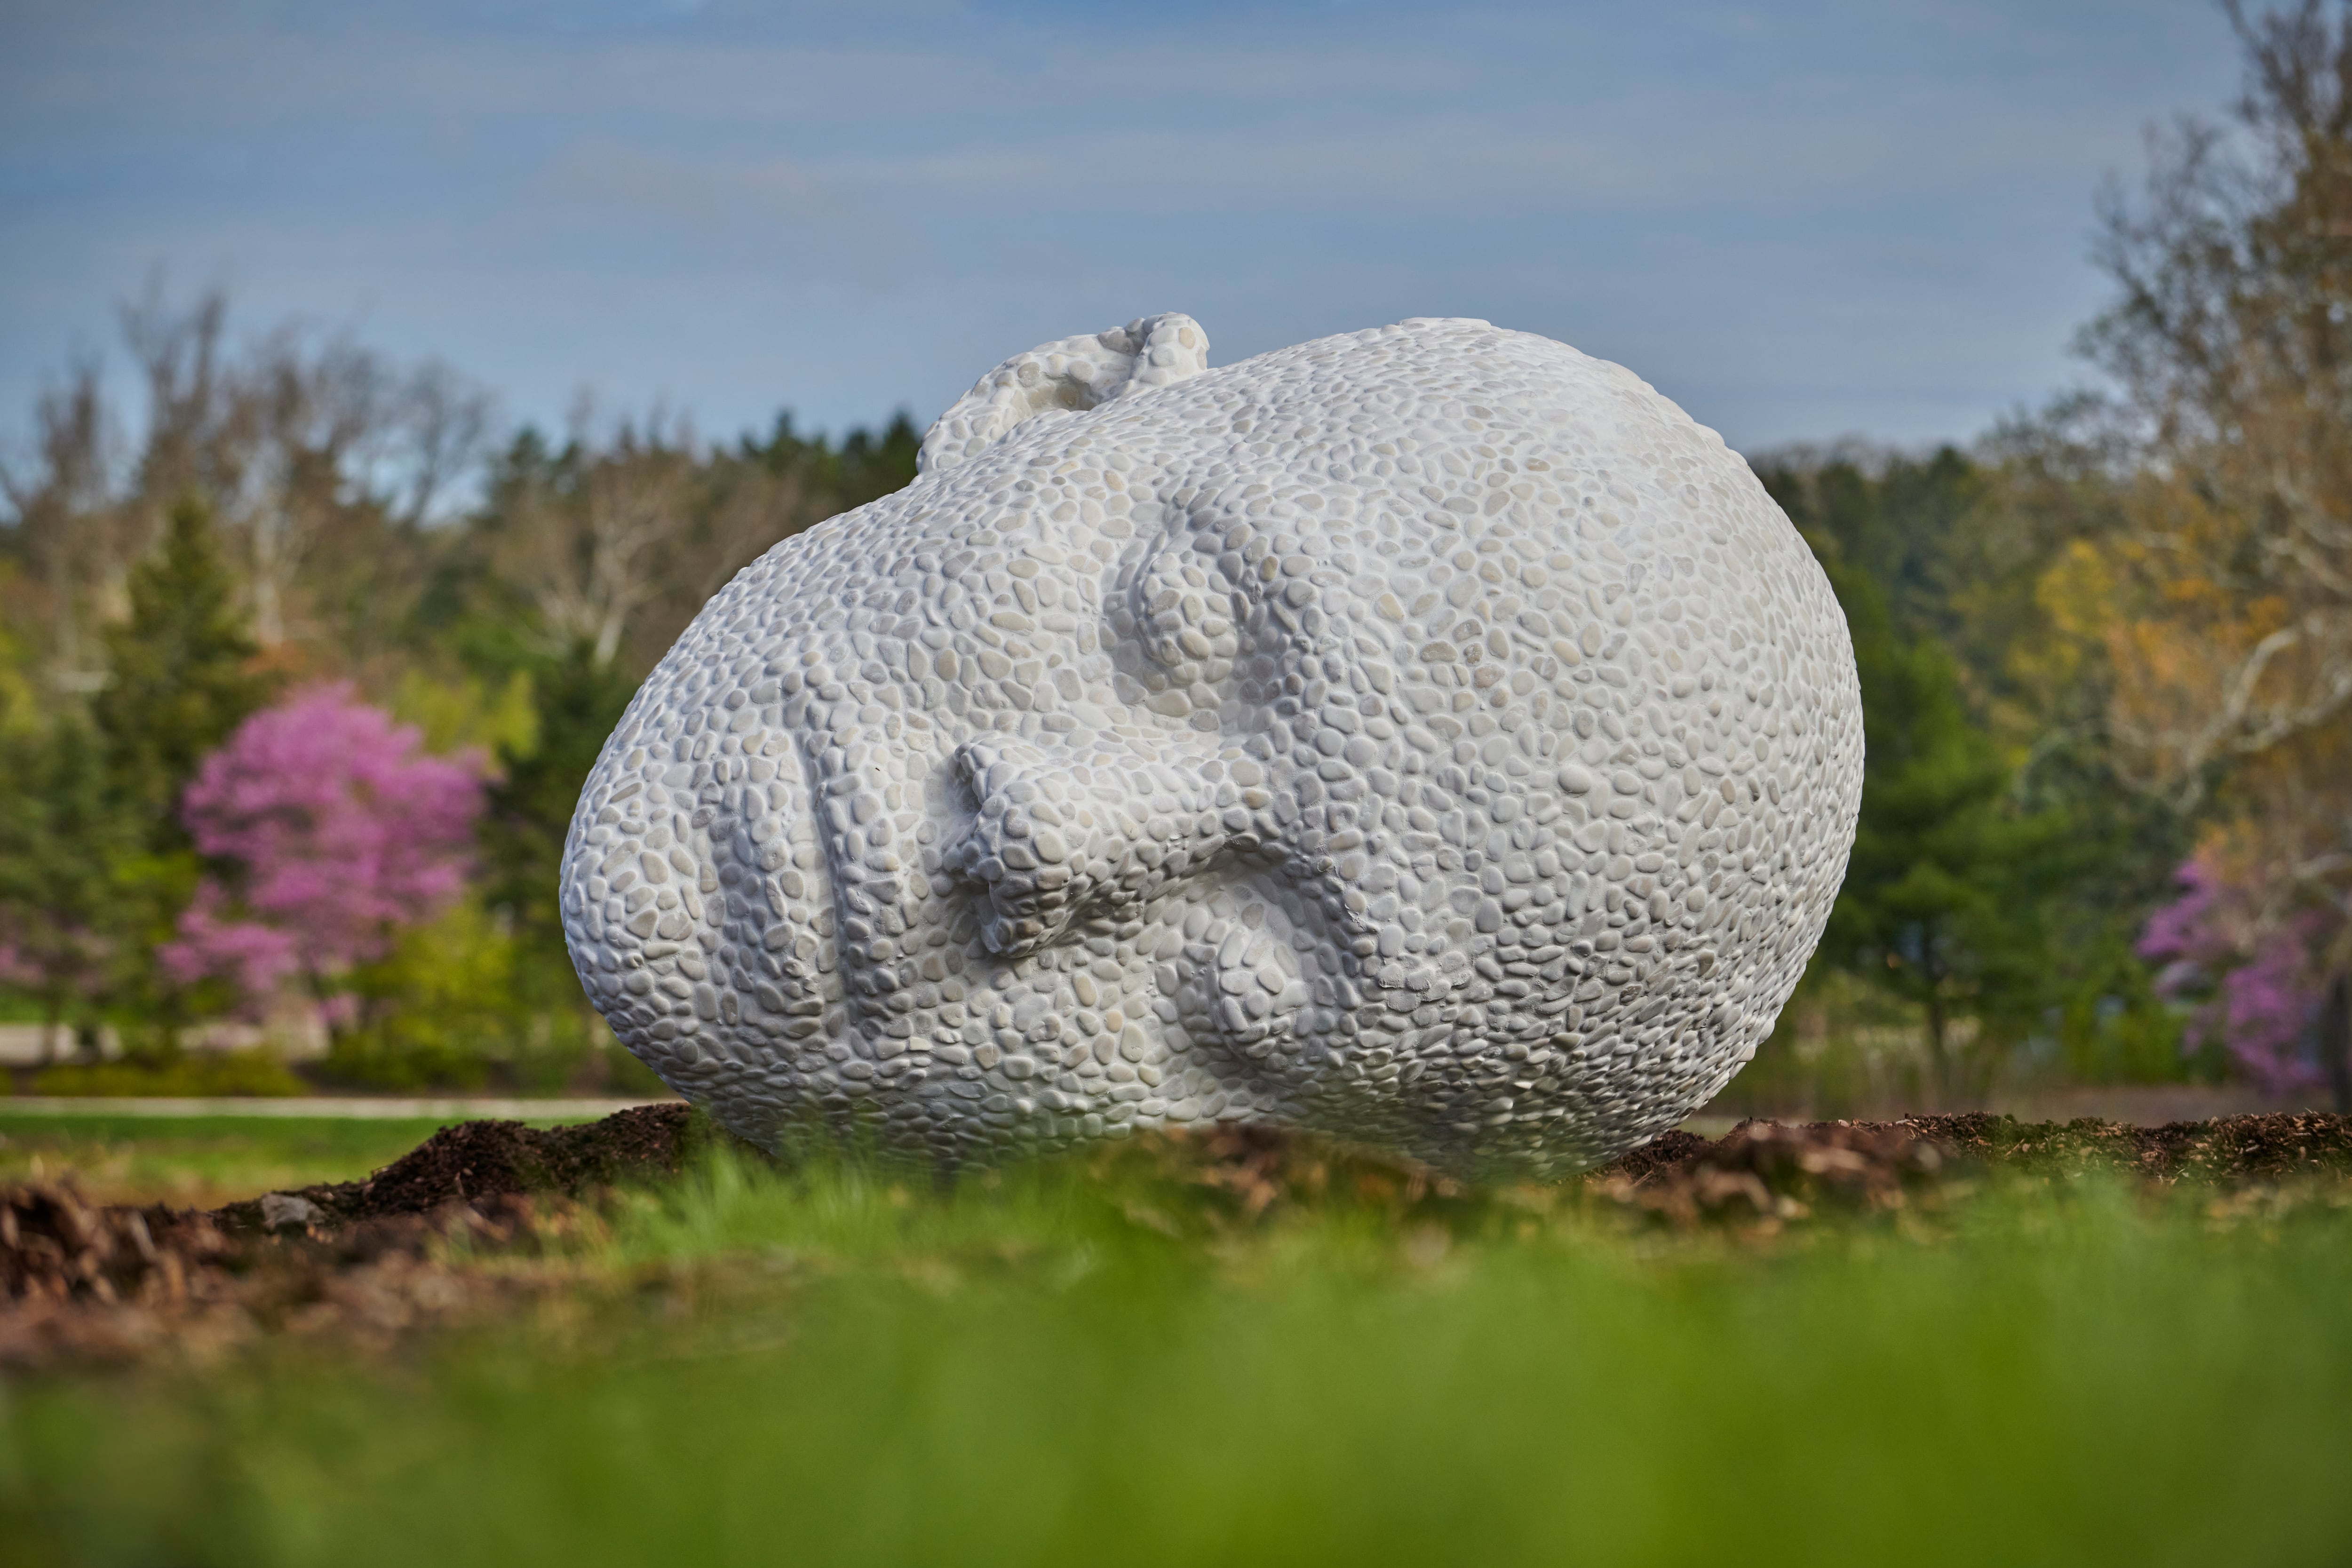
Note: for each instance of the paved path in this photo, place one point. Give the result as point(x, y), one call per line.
point(368, 1109)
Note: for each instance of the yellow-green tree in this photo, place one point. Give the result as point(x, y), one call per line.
point(2219, 601)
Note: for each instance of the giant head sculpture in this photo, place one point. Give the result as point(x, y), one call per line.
point(1428, 735)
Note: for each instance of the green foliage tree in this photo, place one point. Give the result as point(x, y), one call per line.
point(866, 466)
point(578, 699)
point(2000, 871)
point(442, 1010)
point(184, 671)
point(1941, 900)
point(63, 846)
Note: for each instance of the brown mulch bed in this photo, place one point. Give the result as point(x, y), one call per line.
point(1775, 1170)
point(1764, 1169)
point(367, 1260)
point(370, 1261)
point(82, 1282)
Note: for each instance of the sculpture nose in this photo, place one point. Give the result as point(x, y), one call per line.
point(1055, 839)
point(1018, 850)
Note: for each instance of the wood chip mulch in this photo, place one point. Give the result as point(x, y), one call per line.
point(369, 1261)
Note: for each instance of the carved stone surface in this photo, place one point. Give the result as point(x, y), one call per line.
point(1429, 735)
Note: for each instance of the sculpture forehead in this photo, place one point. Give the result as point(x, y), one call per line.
point(1489, 449)
point(1396, 412)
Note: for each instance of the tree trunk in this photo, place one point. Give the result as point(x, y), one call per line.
point(1938, 1064)
point(2335, 1040)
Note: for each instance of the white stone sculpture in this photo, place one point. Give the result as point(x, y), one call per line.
point(1428, 735)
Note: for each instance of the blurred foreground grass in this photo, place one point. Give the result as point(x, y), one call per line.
point(1083, 1361)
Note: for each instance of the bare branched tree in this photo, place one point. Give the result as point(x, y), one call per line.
point(318, 458)
point(2228, 575)
point(2230, 343)
point(618, 545)
point(446, 424)
point(69, 531)
point(584, 541)
point(178, 353)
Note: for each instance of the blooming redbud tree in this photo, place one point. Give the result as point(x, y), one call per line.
point(335, 831)
point(2256, 979)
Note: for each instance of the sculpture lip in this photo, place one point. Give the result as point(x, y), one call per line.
point(851, 905)
point(847, 897)
point(801, 915)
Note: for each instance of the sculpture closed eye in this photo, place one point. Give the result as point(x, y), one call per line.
point(1429, 735)
point(1187, 608)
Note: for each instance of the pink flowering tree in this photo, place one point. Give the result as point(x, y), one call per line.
point(334, 831)
point(2257, 980)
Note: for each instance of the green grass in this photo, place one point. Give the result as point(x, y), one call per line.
point(246, 1072)
point(200, 1161)
point(1085, 1364)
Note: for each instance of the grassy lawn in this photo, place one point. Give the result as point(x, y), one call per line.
point(1083, 1362)
point(200, 1161)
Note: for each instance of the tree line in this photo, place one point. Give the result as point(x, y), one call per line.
point(263, 639)
point(2105, 655)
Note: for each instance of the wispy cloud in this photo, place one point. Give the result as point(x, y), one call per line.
point(1801, 219)
point(775, 208)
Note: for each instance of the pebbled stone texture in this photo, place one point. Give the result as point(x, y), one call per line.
point(1427, 735)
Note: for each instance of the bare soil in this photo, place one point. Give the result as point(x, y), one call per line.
point(367, 1261)
point(407, 1249)
point(473, 1160)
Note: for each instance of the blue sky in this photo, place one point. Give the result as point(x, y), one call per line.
point(1801, 220)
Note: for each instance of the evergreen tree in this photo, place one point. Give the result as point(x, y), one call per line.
point(182, 673)
point(62, 847)
point(2001, 869)
point(865, 467)
point(1942, 895)
point(579, 702)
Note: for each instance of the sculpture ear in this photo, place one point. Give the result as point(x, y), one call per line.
point(1067, 376)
